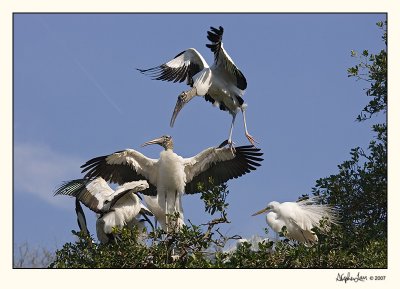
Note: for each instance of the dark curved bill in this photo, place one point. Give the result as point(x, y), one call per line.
point(180, 103)
point(154, 141)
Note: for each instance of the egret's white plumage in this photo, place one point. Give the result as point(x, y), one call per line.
point(171, 175)
point(115, 208)
point(299, 218)
point(222, 84)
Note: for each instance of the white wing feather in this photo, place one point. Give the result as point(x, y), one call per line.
point(100, 190)
point(137, 162)
point(189, 56)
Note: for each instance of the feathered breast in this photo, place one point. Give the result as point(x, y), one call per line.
point(171, 174)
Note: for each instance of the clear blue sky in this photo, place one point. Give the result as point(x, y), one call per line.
point(77, 95)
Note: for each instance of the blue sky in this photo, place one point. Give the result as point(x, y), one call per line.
point(77, 95)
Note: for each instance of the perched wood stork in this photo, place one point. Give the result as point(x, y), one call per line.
point(222, 84)
point(299, 218)
point(115, 208)
point(170, 176)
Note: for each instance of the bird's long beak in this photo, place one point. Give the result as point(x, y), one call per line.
point(180, 103)
point(262, 211)
point(154, 141)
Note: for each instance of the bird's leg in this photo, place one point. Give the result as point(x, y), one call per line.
point(230, 142)
point(183, 98)
point(176, 205)
point(249, 137)
point(166, 212)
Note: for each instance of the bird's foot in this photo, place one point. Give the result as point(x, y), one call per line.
point(251, 139)
point(231, 145)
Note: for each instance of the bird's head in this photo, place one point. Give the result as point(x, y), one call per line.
point(165, 141)
point(271, 207)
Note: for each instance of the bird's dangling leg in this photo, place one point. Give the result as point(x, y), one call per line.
point(230, 142)
point(183, 99)
point(249, 137)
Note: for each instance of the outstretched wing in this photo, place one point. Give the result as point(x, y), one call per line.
point(96, 194)
point(92, 193)
point(220, 165)
point(122, 167)
point(182, 67)
point(223, 64)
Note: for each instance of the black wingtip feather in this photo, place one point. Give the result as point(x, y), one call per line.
point(71, 188)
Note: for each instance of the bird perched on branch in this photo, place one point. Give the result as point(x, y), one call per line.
point(116, 208)
point(222, 84)
point(171, 175)
point(299, 218)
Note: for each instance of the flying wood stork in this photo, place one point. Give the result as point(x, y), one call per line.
point(299, 218)
point(170, 176)
point(222, 84)
point(115, 208)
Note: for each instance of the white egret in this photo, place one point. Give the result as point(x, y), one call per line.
point(171, 176)
point(222, 84)
point(299, 218)
point(116, 208)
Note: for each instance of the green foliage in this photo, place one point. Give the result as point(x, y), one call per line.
point(358, 191)
point(214, 198)
point(190, 247)
point(372, 68)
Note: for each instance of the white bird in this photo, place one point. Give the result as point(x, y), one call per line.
point(222, 84)
point(299, 218)
point(171, 176)
point(116, 208)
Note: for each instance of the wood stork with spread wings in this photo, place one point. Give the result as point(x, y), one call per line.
point(222, 84)
point(116, 208)
point(170, 176)
point(299, 218)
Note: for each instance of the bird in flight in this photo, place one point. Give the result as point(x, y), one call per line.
point(222, 84)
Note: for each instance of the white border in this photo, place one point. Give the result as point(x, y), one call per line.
point(259, 278)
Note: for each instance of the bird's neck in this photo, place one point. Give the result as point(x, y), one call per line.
point(169, 146)
point(166, 152)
